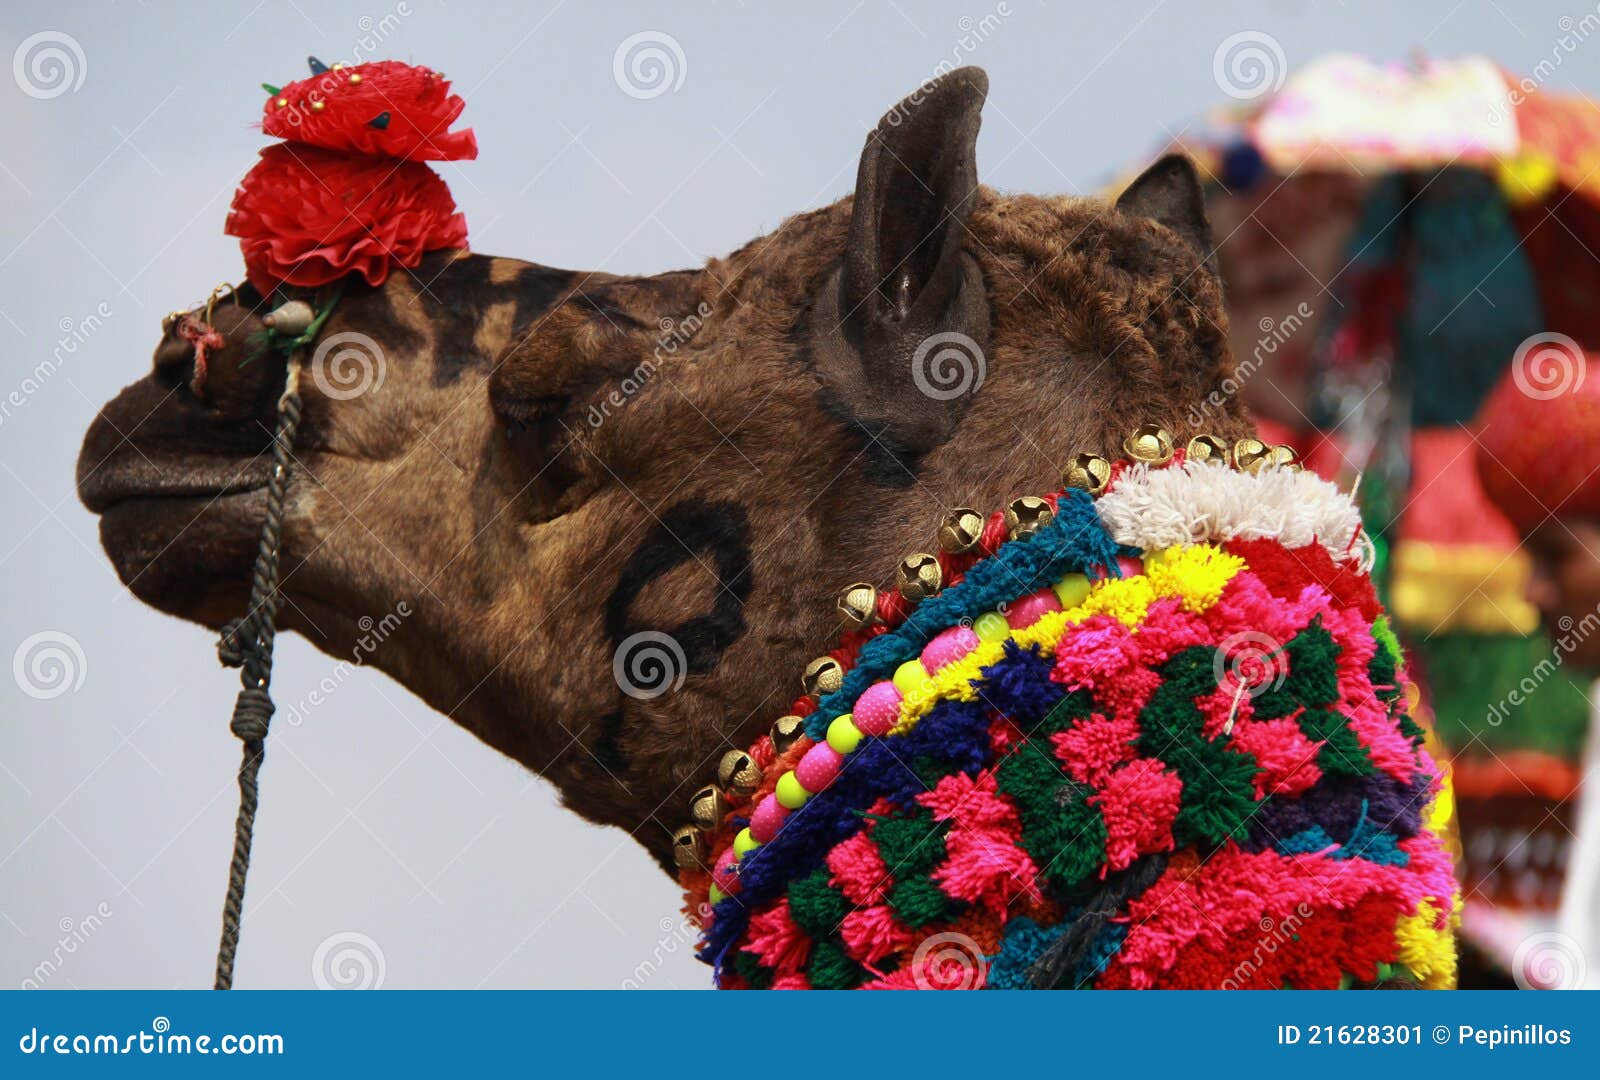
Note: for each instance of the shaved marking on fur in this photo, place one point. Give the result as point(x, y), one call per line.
point(692, 529)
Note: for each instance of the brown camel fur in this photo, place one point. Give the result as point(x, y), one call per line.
point(554, 462)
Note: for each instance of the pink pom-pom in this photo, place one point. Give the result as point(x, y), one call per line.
point(878, 708)
point(1026, 611)
point(725, 875)
point(1130, 566)
point(767, 819)
point(948, 647)
point(818, 767)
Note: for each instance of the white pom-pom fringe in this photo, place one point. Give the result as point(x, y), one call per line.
point(1202, 501)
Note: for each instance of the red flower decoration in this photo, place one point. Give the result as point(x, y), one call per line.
point(306, 216)
point(385, 108)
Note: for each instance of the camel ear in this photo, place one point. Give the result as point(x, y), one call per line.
point(1169, 193)
point(906, 276)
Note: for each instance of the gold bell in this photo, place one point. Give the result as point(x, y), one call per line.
point(859, 605)
point(1206, 448)
point(1027, 515)
point(961, 530)
point(822, 676)
point(919, 577)
point(688, 848)
point(1088, 472)
point(1281, 457)
point(707, 808)
point(737, 772)
point(1249, 454)
point(786, 731)
point(1150, 443)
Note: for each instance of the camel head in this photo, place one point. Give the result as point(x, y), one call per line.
point(616, 511)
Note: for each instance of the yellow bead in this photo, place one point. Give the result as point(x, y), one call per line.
point(318, 106)
point(1072, 590)
point(910, 677)
point(355, 78)
point(744, 843)
point(790, 794)
point(282, 102)
point(843, 735)
point(991, 626)
point(715, 895)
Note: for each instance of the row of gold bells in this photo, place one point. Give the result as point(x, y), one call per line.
point(920, 576)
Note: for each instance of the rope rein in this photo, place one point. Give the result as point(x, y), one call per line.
point(246, 643)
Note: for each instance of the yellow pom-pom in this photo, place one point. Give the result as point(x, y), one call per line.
point(1526, 179)
point(744, 843)
point(991, 626)
point(715, 895)
point(790, 794)
point(843, 735)
point(1070, 590)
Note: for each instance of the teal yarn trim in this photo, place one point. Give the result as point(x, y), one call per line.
point(1075, 541)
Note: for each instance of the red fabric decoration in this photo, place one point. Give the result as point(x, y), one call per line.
point(306, 216)
point(1539, 438)
point(354, 101)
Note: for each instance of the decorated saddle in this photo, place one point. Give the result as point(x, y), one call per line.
point(1149, 731)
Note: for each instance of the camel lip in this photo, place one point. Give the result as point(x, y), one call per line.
point(138, 477)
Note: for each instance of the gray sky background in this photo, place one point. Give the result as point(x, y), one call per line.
point(380, 819)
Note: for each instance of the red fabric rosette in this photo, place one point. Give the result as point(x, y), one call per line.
point(307, 216)
point(385, 108)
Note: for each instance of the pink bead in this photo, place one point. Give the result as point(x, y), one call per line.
point(767, 819)
point(1026, 611)
point(948, 647)
point(725, 875)
point(1131, 567)
point(818, 767)
point(878, 708)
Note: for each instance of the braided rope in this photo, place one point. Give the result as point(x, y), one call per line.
point(247, 644)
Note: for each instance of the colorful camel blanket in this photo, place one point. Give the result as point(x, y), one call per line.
point(1163, 741)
